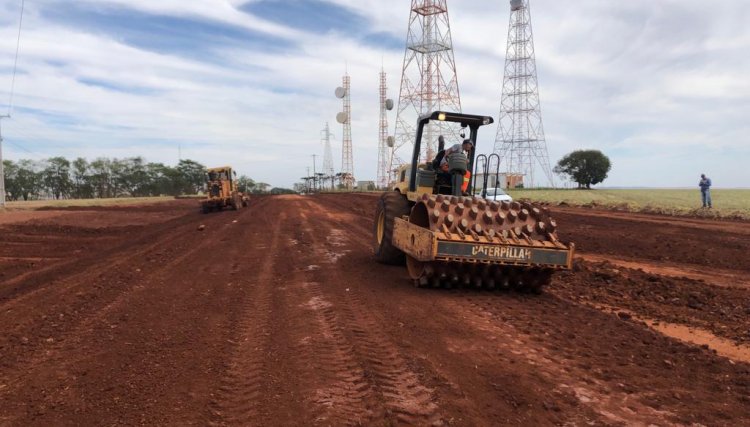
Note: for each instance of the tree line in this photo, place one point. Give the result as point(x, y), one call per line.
point(60, 178)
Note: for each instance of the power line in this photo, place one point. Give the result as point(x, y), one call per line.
point(33, 153)
point(10, 107)
point(15, 61)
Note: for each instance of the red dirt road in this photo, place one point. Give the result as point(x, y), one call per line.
point(278, 315)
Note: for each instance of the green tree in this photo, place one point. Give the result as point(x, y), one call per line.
point(192, 176)
point(245, 184)
point(10, 172)
point(161, 180)
point(57, 177)
point(81, 179)
point(28, 179)
point(279, 190)
point(261, 187)
point(584, 167)
point(100, 177)
point(133, 178)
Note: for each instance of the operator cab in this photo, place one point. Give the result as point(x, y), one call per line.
point(424, 178)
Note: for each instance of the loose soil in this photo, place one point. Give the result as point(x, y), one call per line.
point(277, 315)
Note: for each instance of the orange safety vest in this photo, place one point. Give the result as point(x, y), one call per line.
point(467, 178)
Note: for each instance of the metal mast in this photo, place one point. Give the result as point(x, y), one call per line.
point(347, 158)
point(429, 81)
point(10, 106)
point(383, 155)
point(328, 153)
point(520, 138)
point(2, 169)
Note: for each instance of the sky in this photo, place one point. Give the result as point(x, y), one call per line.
point(661, 87)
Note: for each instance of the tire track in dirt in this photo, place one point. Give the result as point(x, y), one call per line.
point(621, 369)
point(528, 326)
point(338, 389)
point(238, 398)
point(77, 351)
point(399, 388)
point(94, 294)
point(148, 239)
point(343, 395)
point(612, 405)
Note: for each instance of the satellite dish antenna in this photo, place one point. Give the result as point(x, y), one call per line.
point(340, 92)
point(389, 104)
point(516, 4)
point(342, 118)
point(391, 141)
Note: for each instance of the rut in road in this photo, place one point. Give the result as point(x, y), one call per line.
point(337, 388)
point(68, 324)
point(107, 328)
point(47, 287)
point(237, 401)
point(399, 388)
point(618, 372)
point(288, 320)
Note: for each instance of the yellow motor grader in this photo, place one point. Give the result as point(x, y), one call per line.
point(222, 191)
point(451, 240)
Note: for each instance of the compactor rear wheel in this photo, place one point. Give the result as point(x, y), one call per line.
point(391, 205)
point(475, 216)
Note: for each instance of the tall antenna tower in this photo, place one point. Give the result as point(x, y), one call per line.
point(520, 138)
point(328, 152)
point(384, 142)
point(428, 80)
point(345, 118)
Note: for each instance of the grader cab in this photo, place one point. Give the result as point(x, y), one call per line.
point(451, 240)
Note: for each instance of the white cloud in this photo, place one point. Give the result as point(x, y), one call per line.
point(652, 84)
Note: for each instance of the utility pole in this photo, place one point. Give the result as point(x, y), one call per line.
point(314, 173)
point(2, 169)
point(328, 153)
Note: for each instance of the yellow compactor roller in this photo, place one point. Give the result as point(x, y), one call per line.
point(448, 239)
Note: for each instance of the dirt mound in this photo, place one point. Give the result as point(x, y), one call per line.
point(698, 242)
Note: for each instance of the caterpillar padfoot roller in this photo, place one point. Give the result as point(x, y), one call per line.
point(450, 240)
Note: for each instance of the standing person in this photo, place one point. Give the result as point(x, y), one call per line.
point(705, 185)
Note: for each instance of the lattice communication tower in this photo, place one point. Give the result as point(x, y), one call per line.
point(328, 152)
point(520, 138)
point(345, 118)
point(428, 80)
point(383, 150)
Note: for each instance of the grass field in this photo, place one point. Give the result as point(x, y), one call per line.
point(727, 203)
point(37, 204)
